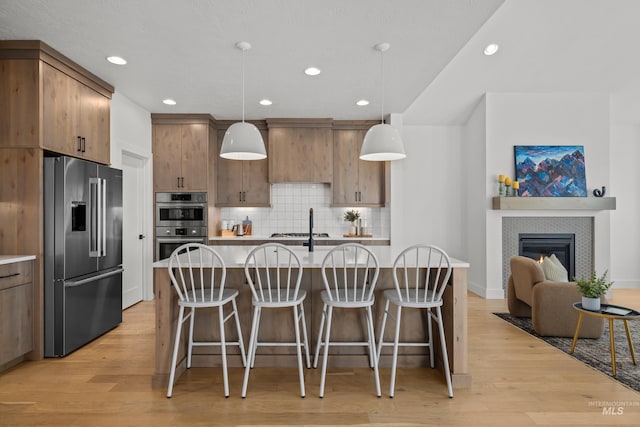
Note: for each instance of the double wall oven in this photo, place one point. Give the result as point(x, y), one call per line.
point(180, 218)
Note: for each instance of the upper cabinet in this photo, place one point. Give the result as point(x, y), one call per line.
point(75, 117)
point(181, 145)
point(356, 182)
point(300, 150)
point(242, 183)
point(52, 103)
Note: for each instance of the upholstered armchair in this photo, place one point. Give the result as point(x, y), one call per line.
point(548, 303)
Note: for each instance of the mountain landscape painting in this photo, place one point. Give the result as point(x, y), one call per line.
point(551, 170)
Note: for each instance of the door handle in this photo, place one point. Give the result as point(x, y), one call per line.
point(182, 181)
point(79, 140)
point(84, 144)
point(141, 236)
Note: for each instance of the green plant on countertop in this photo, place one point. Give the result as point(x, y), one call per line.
point(351, 215)
point(595, 286)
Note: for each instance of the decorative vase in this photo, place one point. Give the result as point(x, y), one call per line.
point(352, 229)
point(591, 304)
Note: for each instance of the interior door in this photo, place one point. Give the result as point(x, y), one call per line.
point(132, 230)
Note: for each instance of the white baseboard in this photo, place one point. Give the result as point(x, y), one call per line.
point(484, 293)
point(626, 284)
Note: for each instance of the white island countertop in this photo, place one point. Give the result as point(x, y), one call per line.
point(235, 256)
point(10, 259)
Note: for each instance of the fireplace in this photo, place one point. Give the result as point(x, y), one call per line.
point(538, 245)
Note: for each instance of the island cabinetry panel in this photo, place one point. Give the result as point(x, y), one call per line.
point(181, 152)
point(242, 183)
point(356, 182)
point(300, 150)
point(16, 312)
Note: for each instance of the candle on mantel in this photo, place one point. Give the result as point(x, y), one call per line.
point(502, 190)
point(515, 185)
point(507, 181)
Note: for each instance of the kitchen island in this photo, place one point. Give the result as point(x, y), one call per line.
point(280, 326)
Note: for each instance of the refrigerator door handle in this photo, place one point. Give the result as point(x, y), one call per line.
point(95, 235)
point(71, 284)
point(103, 215)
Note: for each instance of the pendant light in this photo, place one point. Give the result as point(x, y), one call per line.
point(242, 141)
point(382, 142)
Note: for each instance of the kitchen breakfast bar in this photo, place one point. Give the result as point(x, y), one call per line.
point(279, 325)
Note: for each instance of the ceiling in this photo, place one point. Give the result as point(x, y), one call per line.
point(185, 50)
point(435, 72)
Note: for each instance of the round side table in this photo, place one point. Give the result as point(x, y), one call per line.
point(610, 312)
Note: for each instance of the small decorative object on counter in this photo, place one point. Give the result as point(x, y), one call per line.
point(247, 226)
point(352, 216)
point(515, 186)
point(507, 183)
point(502, 190)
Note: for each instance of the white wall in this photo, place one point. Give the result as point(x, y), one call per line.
point(474, 225)
point(131, 133)
point(545, 119)
point(428, 189)
point(625, 223)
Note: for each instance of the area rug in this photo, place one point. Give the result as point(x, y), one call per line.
point(595, 352)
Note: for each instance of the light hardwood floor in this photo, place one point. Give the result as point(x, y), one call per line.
point(518, 380)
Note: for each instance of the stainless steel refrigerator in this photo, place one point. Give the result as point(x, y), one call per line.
point(82, 252)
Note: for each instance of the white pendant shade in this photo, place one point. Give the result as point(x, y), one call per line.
point(242, 141)
point(382, 142)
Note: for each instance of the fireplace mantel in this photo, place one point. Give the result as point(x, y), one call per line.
point(554, 203)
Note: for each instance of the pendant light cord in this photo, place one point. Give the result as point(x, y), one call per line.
point(382, 95)
point(243, 85)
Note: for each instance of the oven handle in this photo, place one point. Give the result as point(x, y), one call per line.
point(181, 239)
point(180, 205)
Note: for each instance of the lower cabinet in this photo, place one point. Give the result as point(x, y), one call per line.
point(16, 311)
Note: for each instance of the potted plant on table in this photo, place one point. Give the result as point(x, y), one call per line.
point(352, 216)
point(592, 289)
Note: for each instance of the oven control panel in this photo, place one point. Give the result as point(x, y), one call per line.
point(181, 231)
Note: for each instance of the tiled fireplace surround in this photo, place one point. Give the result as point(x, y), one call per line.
point(582, 227)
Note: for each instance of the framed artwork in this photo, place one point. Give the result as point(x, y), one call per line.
point(550, 170)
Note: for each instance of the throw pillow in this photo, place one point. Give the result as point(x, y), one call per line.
point(554, 270)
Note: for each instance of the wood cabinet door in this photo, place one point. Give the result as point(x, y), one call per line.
point(300, 154)
point(94, 124)
point(167, 154)
point(195, 157)
point(371, 182)
point(19, 89)
point(346, 158)
point(228, 179)
point(255, 181)
point(355, 182)
point(60, 112)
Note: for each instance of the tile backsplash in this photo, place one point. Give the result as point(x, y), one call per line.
point(289, 213)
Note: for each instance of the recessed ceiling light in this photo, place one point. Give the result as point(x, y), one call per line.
point(266, 102)
point(116, 60)
point(491, 49)
point(169, 101)
point(312, 71)
point(362, 102)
